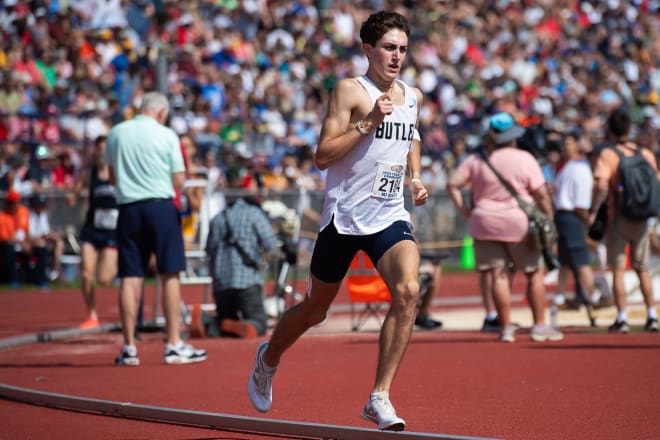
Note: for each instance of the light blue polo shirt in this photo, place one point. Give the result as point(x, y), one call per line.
point(143, 154)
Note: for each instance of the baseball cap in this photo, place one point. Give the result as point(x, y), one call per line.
point(505, 128)
point(13, 196)
point(42, 152)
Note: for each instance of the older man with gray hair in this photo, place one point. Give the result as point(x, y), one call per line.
point(146, 164)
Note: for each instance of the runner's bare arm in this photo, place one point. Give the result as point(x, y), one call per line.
point(417, 189)
point(82, 183)
point(414, 156)
point(456, 181)
point(338, 133)
point(348, 104)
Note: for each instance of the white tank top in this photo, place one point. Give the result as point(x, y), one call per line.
point(364, 189)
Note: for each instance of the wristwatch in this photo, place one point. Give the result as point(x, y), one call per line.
point(360, 127)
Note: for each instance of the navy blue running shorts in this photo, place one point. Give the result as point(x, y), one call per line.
point(98, 238)
point(333, 252)
point(571, 242)
point(146, 227)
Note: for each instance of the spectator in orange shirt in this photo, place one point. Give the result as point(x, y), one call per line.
point(7, 251)
point(14, 225)
point(7, 229)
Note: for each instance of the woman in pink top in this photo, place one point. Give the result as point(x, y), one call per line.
point(499, 226)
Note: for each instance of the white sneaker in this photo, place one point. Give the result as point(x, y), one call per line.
point(508, 334)
point(559, 299)
point(128, 356)
point(260, 384)
point(183, 354)
point(541, 333)
point(380, 411)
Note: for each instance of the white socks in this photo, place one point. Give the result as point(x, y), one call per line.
point(651, 313)
point(559, 299)
point(622, 316)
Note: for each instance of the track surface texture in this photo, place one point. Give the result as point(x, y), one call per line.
point(458, 381)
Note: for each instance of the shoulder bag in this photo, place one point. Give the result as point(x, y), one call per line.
point(541, 231)
point(229, 238)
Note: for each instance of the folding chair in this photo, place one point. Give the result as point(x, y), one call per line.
point(367, 287)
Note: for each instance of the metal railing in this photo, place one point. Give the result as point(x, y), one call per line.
point(439, 228)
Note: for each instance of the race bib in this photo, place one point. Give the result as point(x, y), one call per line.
point(106, 218)
point(388, 181)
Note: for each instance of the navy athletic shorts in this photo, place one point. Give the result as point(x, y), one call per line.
point(146, 227)
point(571, 242)
point(333, 252)
point(98, 238)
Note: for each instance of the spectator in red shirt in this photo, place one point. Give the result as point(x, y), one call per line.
point(64, 174)
point(47, 129)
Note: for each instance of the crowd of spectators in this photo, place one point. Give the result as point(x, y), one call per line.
point(248, 80)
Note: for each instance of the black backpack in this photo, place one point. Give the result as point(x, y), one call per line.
point(640, 195)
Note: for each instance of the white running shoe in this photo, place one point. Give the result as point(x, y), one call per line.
point(541, 333)
point(128, 356)
point(260, 384)
point(380, 411)
point(183, 354)
point(53, 275)
point(508, 334)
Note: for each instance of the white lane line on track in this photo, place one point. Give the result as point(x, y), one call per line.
point(54, 335)
point(209, 420)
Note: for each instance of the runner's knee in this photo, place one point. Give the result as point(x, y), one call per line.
point(105, 279)
point(314, 314)
point(87, 276)
point(315, 317)
point(406, 295)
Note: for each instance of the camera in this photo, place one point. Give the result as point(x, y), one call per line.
point(534, 142)
point(551, 262)
point(290, 250)
point(539, 141)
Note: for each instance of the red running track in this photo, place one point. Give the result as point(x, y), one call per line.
point(592, 385)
